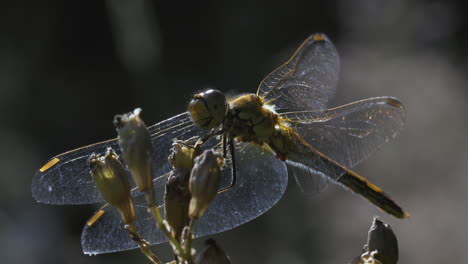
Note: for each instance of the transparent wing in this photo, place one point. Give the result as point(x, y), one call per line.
point(65, 179)
point(309, 181)
point(307, 80)
point(349, 134)
point(261, 182)
point(105, 232)
point(338, 139)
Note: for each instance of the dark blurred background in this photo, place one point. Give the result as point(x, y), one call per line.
point(67, 67)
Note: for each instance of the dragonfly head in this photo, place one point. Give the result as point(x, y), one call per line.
point(208, 109)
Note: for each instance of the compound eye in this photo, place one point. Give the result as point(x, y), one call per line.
point(208, 109)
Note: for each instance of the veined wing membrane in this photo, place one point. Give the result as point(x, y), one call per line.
point(347, 134)
point(307, 81)
point(258, 188)
point(65, 179)
point(105, 232)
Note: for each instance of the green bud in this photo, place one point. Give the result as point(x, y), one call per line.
point(135, 142)
point(111, 179)
point(211, 254)
point(204, 182)
point(382, 239)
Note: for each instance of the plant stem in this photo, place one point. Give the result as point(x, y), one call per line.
point(163, 226)
point(144, 245)
point(187, 238)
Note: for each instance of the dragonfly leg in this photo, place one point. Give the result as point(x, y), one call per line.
point(224, 145)
point(213, 132)
point(233, 166)
point(205, 138)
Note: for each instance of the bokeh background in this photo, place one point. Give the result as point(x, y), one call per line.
point(67, 67)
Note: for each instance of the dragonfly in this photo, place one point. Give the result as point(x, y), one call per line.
point(330, 141)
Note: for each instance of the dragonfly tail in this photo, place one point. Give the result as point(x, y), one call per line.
point(374, 194)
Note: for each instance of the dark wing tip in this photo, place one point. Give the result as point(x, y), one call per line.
point(395, 102)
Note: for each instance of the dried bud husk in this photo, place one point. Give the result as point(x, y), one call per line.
point(176, 201)
point(204, 181)
point(135, 142)
point(211, 254)
point(382, 239)
point(111, 179)
point(177, 195)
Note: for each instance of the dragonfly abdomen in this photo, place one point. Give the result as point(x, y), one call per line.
point(289, 145)
point(372, 193)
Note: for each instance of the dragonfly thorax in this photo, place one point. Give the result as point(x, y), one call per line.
point(250, 120)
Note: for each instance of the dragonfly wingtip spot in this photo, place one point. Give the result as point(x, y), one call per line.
point(319, 37)
point(394, 102)
point(95, 217)
point(49, 164)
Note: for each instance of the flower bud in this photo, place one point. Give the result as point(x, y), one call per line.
point(382, 239)
point(204, 182)
point(177, 195)
point(135, 142)
point(211, 254)
point(182, 155)
point(111, 179)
